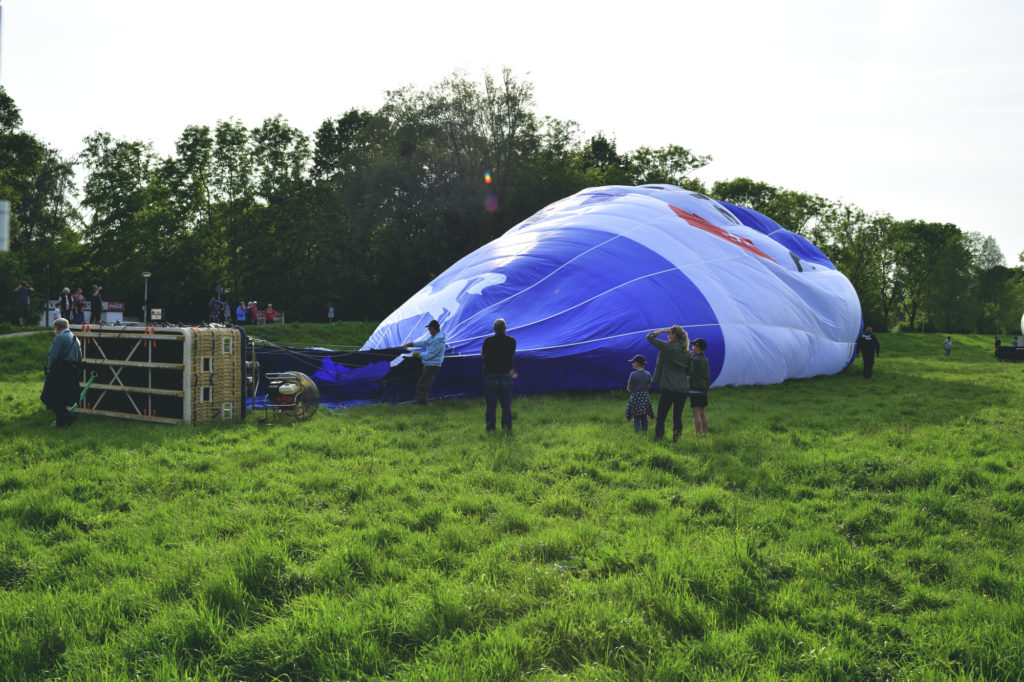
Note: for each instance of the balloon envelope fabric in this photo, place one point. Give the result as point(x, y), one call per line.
point(582, 282)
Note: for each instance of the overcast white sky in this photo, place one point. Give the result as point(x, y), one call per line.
point(911, 108)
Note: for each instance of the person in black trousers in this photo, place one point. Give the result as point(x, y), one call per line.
point(95, 304)
point(499, 372)
point(672, 374)
point(867, 346)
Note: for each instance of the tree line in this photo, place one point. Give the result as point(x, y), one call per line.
point(376, 204)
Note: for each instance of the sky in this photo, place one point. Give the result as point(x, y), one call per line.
point(912, 108)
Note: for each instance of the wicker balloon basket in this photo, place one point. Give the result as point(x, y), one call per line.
point(168, 375)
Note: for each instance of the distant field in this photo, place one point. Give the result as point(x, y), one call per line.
point(340, 335)
point(833, 528)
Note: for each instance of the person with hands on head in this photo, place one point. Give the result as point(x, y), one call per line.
point(432, 356)
point(95, 304)
point(671, 373)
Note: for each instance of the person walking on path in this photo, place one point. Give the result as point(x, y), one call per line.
point(499, 372)
point(700, 384)
point(639, 385)
point(867, 346)
point(432, 356)
point(61, 386)
point(95, 304)
point(671, 373)
point(947, 345)
point(21, 299)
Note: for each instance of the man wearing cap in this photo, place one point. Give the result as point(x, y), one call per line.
point(432, 356)
point(867, 346)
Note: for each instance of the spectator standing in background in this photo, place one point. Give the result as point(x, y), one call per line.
point(270, 313)
point(95, 304)
point(78, 307)
point(21, 299)
point(947, 345)
point(330, 313)
point(240, 313)
point(64, 304)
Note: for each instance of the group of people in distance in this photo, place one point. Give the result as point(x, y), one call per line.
point(70, 306)
point(681, 372)
point(245, 312)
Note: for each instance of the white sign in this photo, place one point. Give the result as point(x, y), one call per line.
point(5, 225)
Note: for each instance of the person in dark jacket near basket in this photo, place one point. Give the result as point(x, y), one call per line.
point(61, 386)
point(867, 346)
point(499, 372)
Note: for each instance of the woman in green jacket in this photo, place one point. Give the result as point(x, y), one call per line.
point(671, 373)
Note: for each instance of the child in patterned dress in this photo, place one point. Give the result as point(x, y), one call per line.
point(639, 406)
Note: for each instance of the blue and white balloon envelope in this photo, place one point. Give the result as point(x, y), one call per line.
point(582, 282)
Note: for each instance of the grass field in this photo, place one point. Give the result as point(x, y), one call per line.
point(834, 528)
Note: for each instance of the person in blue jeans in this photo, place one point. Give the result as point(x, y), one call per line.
point(499, 372)
point(432, 356)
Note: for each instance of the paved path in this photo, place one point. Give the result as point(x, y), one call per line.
point(11, 336)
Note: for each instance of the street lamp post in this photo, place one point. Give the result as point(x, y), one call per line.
point(145, 297)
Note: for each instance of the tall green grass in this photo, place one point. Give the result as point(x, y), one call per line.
point(833, 528)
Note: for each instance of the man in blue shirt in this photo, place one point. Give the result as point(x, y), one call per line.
point(61, 386)
point(432, 356)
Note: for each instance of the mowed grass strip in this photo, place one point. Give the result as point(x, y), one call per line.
point(828, 528)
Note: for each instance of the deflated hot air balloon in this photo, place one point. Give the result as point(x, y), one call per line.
point(582, 282)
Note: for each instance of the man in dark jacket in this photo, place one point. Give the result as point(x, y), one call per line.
point(61, 386)
point(499, 372)
point(867, 346)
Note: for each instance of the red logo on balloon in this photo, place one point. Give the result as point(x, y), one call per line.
point(739, 241)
